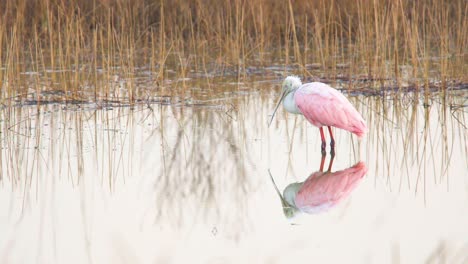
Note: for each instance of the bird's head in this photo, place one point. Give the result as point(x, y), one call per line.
point(290, 84)
point(287, 199)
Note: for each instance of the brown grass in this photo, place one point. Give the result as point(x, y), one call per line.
point(95, 49)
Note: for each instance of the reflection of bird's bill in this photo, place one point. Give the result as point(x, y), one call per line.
point(283, 202)
point(276, 108)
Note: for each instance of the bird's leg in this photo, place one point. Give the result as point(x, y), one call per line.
point(332, 142)
point(331, 161)
point(322, 162)
point(324, 143)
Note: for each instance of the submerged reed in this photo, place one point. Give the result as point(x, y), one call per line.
point(66, 51)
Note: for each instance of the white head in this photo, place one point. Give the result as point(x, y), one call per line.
point(287, 199)
point(290, 193)
point(290, 84)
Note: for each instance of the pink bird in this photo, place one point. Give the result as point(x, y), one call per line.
point(322, 106)
point(321, 190)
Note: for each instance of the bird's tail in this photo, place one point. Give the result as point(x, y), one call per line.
point(360, 129)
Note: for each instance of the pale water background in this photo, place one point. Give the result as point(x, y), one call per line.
point(186, 181)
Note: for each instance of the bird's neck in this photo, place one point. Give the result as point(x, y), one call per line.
point(290, 104)
point(290, 193)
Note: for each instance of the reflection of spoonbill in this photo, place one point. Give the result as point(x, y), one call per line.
point(321, 191)
point(322, 106)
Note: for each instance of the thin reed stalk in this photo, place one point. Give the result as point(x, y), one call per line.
point(92, 49)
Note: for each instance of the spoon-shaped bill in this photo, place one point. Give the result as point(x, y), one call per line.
point(276, 108)
point(283, 202)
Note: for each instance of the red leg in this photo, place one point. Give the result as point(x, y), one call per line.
point(322, 162)
point(331, 161)
point(324, 143)
point(332, 141)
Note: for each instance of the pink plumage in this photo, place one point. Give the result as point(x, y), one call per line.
point(322, 191)
point(323, 105)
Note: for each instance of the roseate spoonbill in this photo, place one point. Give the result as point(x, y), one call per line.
point(321, 190)
point(322, 106)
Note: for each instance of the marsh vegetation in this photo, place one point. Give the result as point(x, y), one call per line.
point(101, 50)
point(127, 127)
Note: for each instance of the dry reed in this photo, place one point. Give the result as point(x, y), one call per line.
point(93, 50)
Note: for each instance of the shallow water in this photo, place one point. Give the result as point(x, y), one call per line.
point(187, 181)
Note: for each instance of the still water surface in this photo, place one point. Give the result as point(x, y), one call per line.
point(188, 182)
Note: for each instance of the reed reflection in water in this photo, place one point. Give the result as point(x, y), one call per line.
point(190, 183)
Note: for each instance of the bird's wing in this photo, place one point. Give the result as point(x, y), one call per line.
point(323, 105)
point(320, 193)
